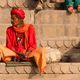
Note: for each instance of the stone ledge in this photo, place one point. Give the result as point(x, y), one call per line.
point(21, 3)
point(53, 68)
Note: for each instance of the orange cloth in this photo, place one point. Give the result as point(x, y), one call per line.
point(6, 53)
point(40, 58)
point(38, 54)
point(23, 30)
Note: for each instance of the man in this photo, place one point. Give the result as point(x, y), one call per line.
point(20, 40)
point(72, 5)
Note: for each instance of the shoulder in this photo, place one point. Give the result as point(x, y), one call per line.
point(9, 29)
point(31, 27)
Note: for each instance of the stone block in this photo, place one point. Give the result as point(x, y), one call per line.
point(65, 68)
point(11, 70)
point(20, 3)
point(71, 30)
point(20, 69)
point(3, 3)
point(28, 69)
point(74, 68)
point(56, 68)
point(59, 43)
point(50, 17)
point(43, 43)
point(12, 3)
point(52, 44)
point(3, 68)
point(48, 31)
point(67, 43)
point(48, 69)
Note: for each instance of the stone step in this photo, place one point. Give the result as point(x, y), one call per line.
point(56, 17)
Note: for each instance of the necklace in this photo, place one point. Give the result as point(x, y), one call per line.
point(19, 37)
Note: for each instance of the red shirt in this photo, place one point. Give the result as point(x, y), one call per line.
point(15, 41)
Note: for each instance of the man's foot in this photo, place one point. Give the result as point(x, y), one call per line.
point(71, 9)
point(78, 8)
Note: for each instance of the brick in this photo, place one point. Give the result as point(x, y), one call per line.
point(3, 3)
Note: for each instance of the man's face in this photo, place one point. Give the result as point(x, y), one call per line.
point(15, 21)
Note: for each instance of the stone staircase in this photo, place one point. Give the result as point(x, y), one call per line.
point(55, 29)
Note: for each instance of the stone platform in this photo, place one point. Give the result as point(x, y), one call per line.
point(54, 71)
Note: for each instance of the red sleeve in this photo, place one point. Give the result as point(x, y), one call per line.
point(31, 38)
point(9, 39)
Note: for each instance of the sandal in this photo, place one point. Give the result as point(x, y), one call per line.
point(71, 9)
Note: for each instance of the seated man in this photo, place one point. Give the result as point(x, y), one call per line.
point(72, 5)
point(21, 40)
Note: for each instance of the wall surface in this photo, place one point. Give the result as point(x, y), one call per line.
point(54, 28)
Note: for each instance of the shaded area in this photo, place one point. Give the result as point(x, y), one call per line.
point(73, 55)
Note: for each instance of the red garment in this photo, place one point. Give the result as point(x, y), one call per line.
point(13, 44)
